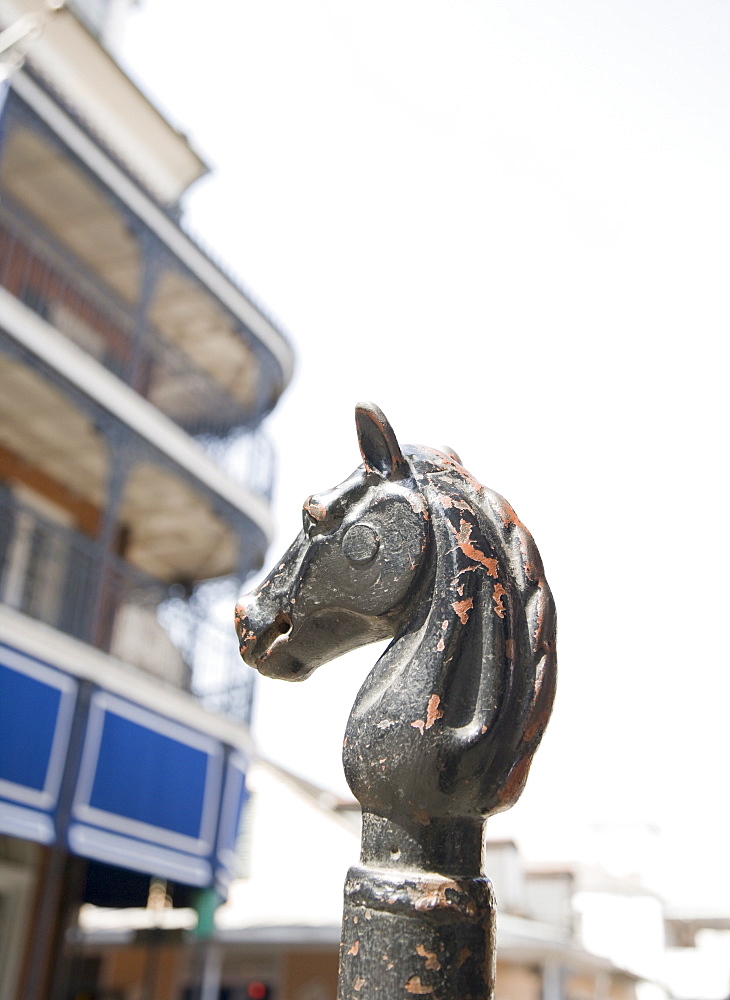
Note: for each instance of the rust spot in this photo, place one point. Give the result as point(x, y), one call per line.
point(512, 788)
point(497, 595)
point(315, 510)
point(422, 817)
point(431, 961)
point(463, 955)
point(434, 897)
point(509, 649)
point(464, 542)
point(355, 949)
point(433, 712)
point(462, 608)
point(414, 985)
point(420, 725)
point(449, 501)
point(358, 984)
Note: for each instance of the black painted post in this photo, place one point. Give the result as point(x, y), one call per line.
point(444, 728)
point(416, 925)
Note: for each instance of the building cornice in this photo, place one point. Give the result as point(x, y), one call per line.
point(71, 57)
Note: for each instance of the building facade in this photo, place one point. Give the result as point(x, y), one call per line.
point(134, 497)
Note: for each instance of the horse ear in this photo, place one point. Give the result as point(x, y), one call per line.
point(451, 453)
point(378, 444)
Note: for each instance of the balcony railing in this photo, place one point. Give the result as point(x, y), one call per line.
point(76, 303)
point(59, 576)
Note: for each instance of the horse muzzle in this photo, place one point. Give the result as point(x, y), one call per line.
point(264, 642)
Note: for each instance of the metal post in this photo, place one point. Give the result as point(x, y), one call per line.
point(422, 931)
point(443, 731)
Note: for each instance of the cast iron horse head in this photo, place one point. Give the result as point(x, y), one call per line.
point(411, 546)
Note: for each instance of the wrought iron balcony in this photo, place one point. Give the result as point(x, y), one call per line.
point(59, 576)
point(66, 293)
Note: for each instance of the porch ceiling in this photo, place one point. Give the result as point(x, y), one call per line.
point(174, 533)
point(53, 190)
point(58, 194)
point(188, 316)
point(39, 424)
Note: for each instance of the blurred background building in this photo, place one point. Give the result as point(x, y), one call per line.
point(134, 375)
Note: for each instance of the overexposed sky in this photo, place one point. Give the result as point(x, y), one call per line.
point(507, 223)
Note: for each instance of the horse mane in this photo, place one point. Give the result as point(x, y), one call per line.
point(484, 625)
point(495, 614)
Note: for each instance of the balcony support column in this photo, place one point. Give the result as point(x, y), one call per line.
point(151, 265)
point(119, 449)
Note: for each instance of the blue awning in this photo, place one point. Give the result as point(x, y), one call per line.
point(235, 794)
point(37, 706)
point(151, 794)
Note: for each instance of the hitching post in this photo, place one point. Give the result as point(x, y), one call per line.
point(444, 728)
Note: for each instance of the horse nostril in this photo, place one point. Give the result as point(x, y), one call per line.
point(282, 623)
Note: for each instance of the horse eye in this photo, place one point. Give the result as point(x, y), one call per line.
point(360, 543)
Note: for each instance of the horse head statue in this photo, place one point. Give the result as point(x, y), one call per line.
point(444, 728)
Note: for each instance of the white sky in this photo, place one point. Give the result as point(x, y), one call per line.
point(507, 223)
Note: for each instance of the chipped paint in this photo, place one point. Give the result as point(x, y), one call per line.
point(433, 712)
point(358, 984)
point(433, 896)
point(448, 501)
point(432, 961)
point(415, 986)
point(355, 948)
point(420, 725)
point(464, 954)
point(512, 788)
point(497, 594)
point(462, 609)
point(470, 550)
point(315, 510)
